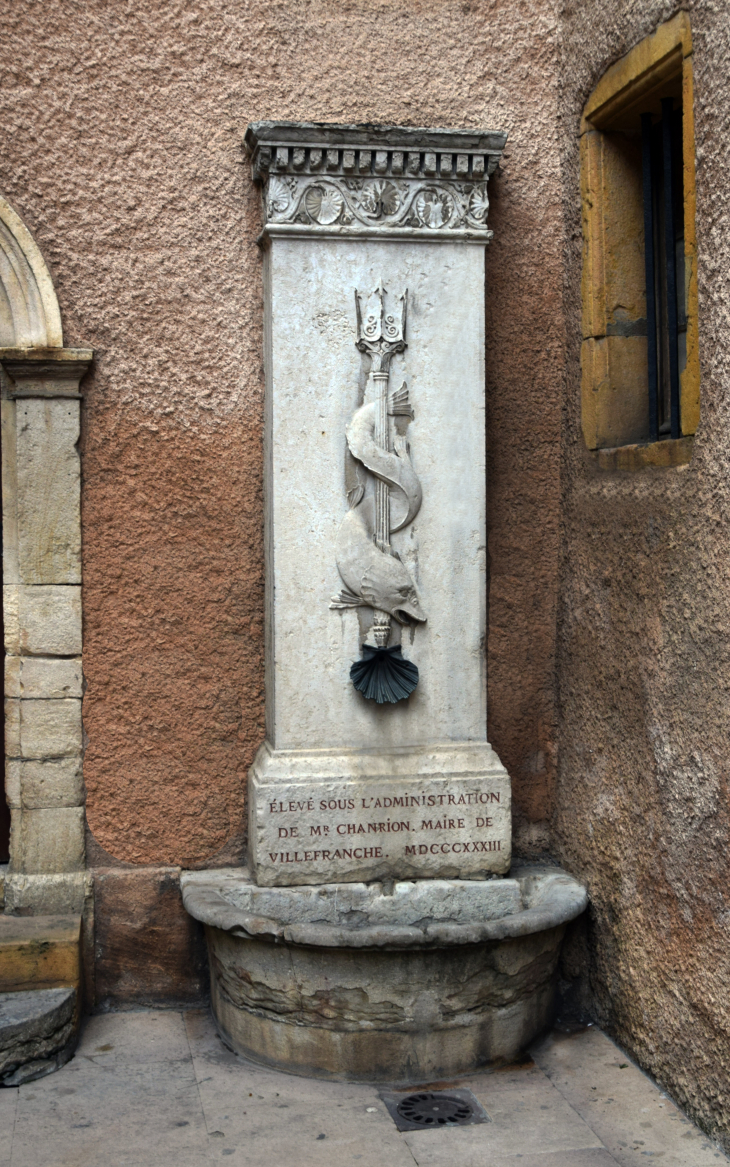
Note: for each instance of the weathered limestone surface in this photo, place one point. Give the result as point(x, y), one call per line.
point(46, 784)
point(57, 894)
point(12, 781)
point(315, 374)
point(375, 1016)
point(37, 1033)
point(11, 610)
point(405, 914)
point(45, 372)
point(31, 315)
point(50, 728)
point(42, 614)
point(12, 727)
point(48, 474)
point(51, 840)
point(43, 620)
point(43, 677)
point(346, 788)
point(352, 981)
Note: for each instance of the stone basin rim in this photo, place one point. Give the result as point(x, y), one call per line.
point(550, 897)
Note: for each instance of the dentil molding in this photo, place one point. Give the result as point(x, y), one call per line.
point(374, 181)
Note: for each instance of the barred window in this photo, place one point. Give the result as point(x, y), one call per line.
point(640, 367)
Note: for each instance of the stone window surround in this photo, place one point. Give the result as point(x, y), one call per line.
point(41, 585)
point(666, 52)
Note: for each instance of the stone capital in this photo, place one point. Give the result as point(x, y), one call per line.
point(384, 182)
point(45, 372)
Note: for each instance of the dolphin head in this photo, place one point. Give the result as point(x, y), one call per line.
point(387, 585)
point(407, 609)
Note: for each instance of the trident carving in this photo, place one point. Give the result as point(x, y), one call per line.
point(384, 496)
point(381, 335)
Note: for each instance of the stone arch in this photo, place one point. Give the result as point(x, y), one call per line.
point(29, 312)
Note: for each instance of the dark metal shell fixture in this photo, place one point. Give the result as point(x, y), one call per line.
point(384, 675)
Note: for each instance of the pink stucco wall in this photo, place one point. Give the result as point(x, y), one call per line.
point(643, 803)
point(121, 147)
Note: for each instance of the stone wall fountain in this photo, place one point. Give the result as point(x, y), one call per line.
point(377, 934)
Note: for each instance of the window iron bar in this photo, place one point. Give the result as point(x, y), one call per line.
point(649, 262)
point(670, 259)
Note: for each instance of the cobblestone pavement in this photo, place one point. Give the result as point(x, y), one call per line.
point(159, 1089)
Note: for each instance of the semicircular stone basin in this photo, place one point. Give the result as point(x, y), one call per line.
point(369, 982)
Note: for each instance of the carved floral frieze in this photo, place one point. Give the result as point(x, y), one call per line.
point(432, 183)
point(385, 203)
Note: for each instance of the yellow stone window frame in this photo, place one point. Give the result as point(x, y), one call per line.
point(613, 354)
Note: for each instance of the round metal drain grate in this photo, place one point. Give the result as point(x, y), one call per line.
point(429, 1109)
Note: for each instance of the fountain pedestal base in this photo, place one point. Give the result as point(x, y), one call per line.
point(346, 981)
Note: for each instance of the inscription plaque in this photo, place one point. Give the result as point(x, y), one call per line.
point(366, 828)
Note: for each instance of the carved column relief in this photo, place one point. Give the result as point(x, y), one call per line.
point(430, 185)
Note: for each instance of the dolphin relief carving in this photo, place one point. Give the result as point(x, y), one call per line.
point(384, 494)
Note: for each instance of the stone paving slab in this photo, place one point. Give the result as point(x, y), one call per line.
point(159, 1089)
point(142, 1037)
point(265, 1116)
point(125, 1116)
point(8, 1108)
point(633, 1119)
point(585, 1158)
point(529, 1117)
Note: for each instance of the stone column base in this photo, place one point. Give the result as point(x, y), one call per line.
point(381, 1047)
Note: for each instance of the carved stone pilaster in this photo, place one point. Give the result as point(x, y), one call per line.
point(375, 495)
point(374, 181)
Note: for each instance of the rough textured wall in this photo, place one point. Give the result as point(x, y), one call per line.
point(644, 635)
point(121, 149)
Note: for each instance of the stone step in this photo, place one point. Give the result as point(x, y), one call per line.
point(38, 1033)
point(39, 952)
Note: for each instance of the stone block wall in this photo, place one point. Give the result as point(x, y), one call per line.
point(148, 950)
point(42, 625)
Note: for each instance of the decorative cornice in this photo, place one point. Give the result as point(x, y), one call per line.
point(374, 181)
point(45, 372)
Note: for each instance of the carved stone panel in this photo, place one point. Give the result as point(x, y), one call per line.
point(442, 812)
point(318, 383)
